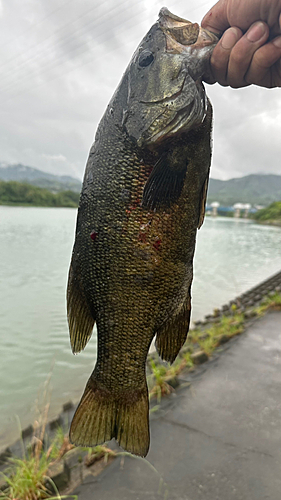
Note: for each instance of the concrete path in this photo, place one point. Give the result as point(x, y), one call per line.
point(216, 439)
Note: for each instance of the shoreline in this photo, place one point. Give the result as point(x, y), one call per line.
point(244, 303)
point(275, 223)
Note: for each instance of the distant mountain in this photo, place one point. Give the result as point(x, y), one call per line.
point(54, 183)
point(256, 189)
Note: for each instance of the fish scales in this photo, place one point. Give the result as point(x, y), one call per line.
point(142, 200)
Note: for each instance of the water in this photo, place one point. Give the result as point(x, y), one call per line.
point(35, 245)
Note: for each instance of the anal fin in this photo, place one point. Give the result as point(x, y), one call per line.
point(172, 335)
point(80, 318)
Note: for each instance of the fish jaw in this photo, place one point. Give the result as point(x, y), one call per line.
point(185, 32)
point(189, 39)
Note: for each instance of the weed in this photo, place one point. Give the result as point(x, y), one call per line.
point(27, 476)
point(188, 360)
point(97, 453)
point(273, 301)
point(160, 375)
point(59, 446)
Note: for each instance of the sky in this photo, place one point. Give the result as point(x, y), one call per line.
point(61, 61)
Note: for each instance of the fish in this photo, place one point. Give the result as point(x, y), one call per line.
point(142, 200)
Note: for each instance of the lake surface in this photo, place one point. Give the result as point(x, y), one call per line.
point(35, 248)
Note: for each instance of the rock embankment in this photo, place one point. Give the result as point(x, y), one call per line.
point(246, 302)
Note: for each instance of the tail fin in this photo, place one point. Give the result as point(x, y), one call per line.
point(102, 415)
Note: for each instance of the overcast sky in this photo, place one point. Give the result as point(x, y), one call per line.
point(61, 62)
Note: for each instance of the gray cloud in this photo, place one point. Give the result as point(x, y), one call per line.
point(247, 130)
point(60, 64)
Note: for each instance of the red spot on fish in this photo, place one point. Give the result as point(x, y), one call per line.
point(142, 237)
point(93, 235)
point(157, 244)
point(135, 205)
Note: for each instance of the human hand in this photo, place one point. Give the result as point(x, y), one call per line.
point(249, 51)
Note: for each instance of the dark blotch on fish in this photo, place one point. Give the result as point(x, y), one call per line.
point(145, 190)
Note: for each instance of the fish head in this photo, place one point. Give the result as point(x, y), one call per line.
point(162, 90)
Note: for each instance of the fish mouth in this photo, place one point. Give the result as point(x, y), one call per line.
point(181, 33)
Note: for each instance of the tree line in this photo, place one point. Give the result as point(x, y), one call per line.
point(270, 213)
point(21, 193)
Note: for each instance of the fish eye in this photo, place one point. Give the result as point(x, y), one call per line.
point(145, 59)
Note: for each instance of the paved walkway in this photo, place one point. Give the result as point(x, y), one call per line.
point(216, 439)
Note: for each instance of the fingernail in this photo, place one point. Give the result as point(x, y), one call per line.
point(229, 38)
point(277, 42)
point(256, 32)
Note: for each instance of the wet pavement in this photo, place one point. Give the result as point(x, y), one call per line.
point(217, 437)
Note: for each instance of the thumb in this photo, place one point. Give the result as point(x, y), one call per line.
point(216, 19)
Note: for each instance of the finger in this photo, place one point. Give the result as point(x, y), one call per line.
point(241, 13)
point(221, 53)
point(261, 71)
point(216, 19)
point(243, 52)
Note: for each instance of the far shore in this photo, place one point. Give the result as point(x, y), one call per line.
point(276, 223)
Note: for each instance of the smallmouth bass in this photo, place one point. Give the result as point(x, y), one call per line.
point(142, 200)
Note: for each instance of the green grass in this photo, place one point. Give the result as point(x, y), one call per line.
point(26, 477)
point(273, 301)
point(159, 387)
point(211, 338)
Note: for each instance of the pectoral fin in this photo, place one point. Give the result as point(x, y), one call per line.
point(203, 201)
point(80, 318)
point(164, 185)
